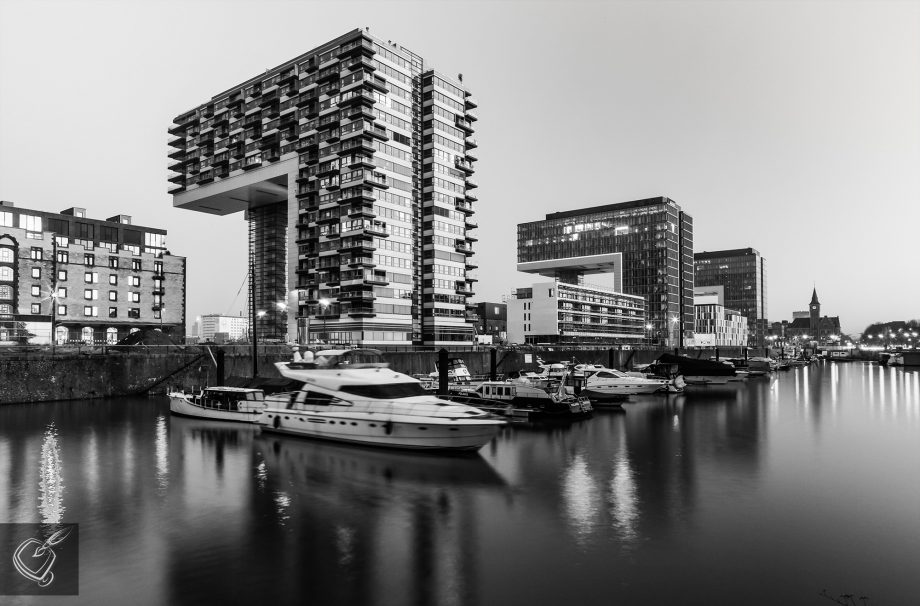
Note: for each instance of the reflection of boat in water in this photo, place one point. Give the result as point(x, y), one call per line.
point(351, 396)
point(293, 461)
point(220, 404)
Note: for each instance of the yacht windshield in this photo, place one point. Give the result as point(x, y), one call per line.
point(392, 391)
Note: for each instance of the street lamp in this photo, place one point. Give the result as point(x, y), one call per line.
point(648, 334)
point(674, 321)
point(324, 304)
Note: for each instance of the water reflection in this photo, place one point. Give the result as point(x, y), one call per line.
point(737, 480)
point(161, 444)
point(51, 481)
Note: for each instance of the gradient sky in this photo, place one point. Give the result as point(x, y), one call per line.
point(790, 127)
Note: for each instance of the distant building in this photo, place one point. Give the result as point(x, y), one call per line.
point(557, 313)
point(647, 245)
point(94, 281)
point(815, 327)
point(221, 329)
point(492, 320)
point(742, 272)
point(716, 325)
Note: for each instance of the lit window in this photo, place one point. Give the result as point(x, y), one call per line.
point(36, 290)
point(36, 272)
point(36, 308)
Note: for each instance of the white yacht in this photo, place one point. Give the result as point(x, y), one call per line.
point(351, 396)
point(609, 383)
point(219, 403)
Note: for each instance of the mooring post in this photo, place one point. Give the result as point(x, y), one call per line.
point(492, 364)
point(717, 354)
point(219, 357)
point(442, 372)
point(744, 349)
point(610, 358)
point(675, 352)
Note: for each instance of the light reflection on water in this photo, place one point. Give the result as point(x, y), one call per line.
point(772, 489)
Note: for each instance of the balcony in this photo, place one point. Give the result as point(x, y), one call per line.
point(361, 312)
point(463, 124)
point(471, 183)
point(463, 206)
point(463, 165)
point(471, 116)
point(379, 84)
point(471, 197)
point(376, 179)
point(471, 155)
point(379, 132)
point(357, 47)
point(363, 295)
point(471, 102)
point(462, 288)
point(376, 228)
point(470, 264)
point(358, 262)
point(470, 224)
point(471, 143)
point(252, 162)
point(357, 97)
point(462, 247)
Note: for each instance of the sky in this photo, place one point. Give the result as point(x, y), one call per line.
point(793, 128)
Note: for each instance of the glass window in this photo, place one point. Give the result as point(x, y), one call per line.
point(36, 308)
point(36, 290)
point(6, 255)
point(36, 272)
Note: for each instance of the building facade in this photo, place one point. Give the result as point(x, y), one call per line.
point(492, 322)
point(815, 327)
point(220, 329)
point(647, 245)
point(353, 164)
point(558, 313)
point(93, 281)
point(716, 325)
point(743, 273)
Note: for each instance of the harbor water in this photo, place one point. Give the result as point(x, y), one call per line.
point(767, 491)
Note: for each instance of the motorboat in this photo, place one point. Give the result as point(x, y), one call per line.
point(458, 376)
point(240, 404)
point(699, 372)
point(608, 384)
point(525, 402)
point(350, 395)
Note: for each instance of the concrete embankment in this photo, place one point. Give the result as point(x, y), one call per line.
point(40, 376)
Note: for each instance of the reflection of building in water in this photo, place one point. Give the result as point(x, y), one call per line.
point(51, 484)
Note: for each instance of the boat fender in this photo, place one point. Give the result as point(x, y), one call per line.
point(388, 426)
point(277, 421)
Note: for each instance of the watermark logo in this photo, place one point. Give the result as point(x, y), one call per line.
point(43, 559)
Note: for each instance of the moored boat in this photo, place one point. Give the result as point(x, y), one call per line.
point(610, 384)
point(219, 403)
point(352, 396)
point(525, 402)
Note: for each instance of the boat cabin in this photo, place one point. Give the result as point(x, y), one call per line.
point(340, 359)
point(230, 398)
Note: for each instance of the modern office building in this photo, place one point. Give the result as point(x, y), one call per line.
point(717, 325)
point(94, 281)
point(559, 313)
point(647, 245)
point(353, 165)
point(491, 322)
point(221, 329)
point(743, 273)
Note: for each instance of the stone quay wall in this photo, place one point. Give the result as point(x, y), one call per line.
point(68, 374)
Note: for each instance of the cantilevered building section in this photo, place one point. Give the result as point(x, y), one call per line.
point(647, 245)
point(743, 273)
point(353, 164)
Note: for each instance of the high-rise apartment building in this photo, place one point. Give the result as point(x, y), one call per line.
point(647, 245)
point(85, 280)
point(717, 325)
point(743, 274)
point(353, 164)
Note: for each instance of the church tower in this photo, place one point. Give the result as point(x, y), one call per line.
point(814, 309)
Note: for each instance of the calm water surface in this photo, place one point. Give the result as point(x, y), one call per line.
point(762, 493)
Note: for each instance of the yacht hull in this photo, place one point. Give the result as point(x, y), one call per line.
point(181, 405)
point(397, 431)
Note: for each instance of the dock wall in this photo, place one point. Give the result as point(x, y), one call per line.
point(108, 372)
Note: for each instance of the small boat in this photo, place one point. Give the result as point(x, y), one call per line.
point(350, 395)
point(525, 402)
point(238, 404)
point(609, 384)
point(699, 372)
